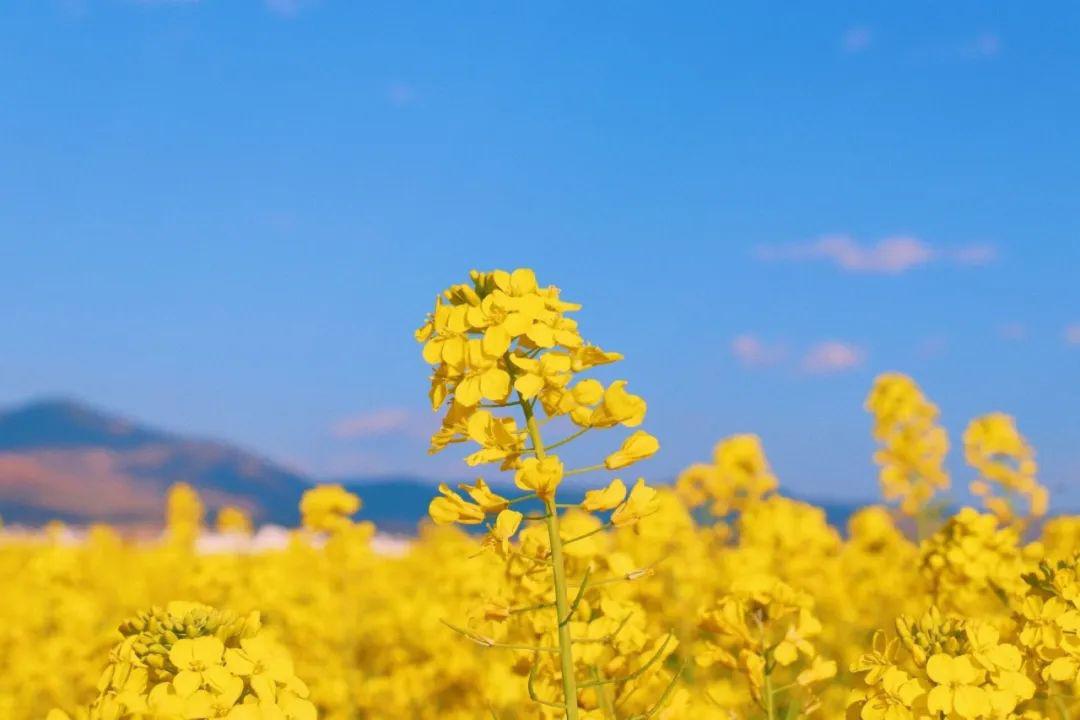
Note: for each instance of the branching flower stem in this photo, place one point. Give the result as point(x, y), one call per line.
point(602, 696)
point(582, 470)
point(484, 641)
point(558, 571)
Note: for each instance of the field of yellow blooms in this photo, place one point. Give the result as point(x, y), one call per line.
point(717, 598)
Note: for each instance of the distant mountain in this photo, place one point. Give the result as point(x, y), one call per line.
point(60, 459)
point(395, 503)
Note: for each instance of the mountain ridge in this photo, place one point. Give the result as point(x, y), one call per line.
point(63, 459)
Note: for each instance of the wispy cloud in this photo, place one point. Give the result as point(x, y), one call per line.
point(284, 8)
point(856, 39)
point(889, 256)
point(1012, 332)
point(833, 356)
point(976, 47)
point(1072, 334)
point(974, 255)
point(752, 351)
point(401, 94)
point(931, 347)
point(287, 8)
point(384, 421)
point(892, 255)
point(821, 358)
point(985, 45)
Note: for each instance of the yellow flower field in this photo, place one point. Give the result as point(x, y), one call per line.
point(715, 598)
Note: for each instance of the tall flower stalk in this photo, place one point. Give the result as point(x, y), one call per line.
point(504, 348)
point(558, 574)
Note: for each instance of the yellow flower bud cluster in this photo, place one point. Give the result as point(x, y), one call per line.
point(189, 661)
point(913, 445)
point(1006, 466)
point(503, 333)
point(942, 667)
point(1049, 622)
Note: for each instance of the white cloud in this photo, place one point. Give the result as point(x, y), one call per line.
point(985, 45)
point(832, 356)
point(888, 256)
point(974, 255)
point(891, 255)
point(385, 421)
point(286, 8)
point(977, 47)
point(401, 94)
point(1072, 334)
point(932, 347)
point(1012, 332)
point(752, 351)
point(857, 39)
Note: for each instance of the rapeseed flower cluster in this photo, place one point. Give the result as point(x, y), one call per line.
point(1006, 465)
point(913, 444)
point(738, 477)
point(188, 660)
point(507, 359)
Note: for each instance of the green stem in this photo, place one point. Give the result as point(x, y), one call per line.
point(1062, 707)
point(770, 708)
point(602, 696)
point(568, 439)
point(558, 571)
point(581, 470)
point(588, 534)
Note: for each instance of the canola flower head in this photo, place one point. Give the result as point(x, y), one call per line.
point(943, 665)
point(189, 660)
point(1007, 482)
point(506, 359)
point(328, 508)
point(233, 520)
point(738, 478)
point(184, 513)
point(913, 444)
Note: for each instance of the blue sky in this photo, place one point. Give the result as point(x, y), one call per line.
point(226, 217)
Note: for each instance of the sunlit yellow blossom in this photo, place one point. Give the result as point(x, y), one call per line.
point(618, 407)
point(506, 525)
point(605, 498)
point(452, 508)
point(638, 446)
point(483, 496)
point(640, 504)
point(957, 687)
point(540, 476)
point(327, 508)
point(498, 438)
